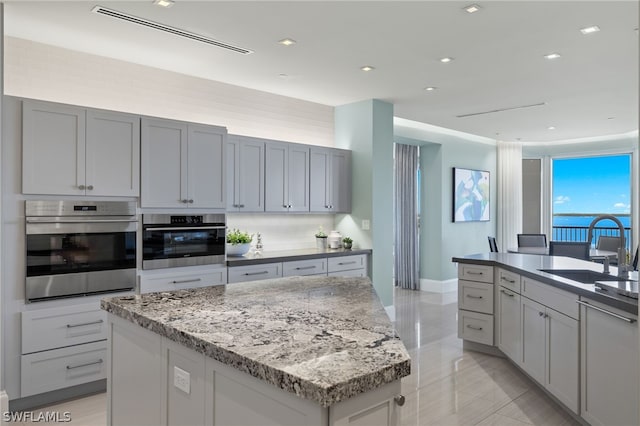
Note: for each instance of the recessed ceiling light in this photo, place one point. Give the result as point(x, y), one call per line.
point(473, 8)
point(367, 68)
point(287, 42)
point(589, 30)
point(552, 56)
point(551, 128)
point(445, 60)
point(164, 3)
point(430, 88)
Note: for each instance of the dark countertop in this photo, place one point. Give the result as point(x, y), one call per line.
point(326, 339)
point(529, 264)
point(290, 255)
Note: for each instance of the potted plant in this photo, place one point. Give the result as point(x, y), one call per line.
point(321, 239)
point(347, 243)
point(238, 242)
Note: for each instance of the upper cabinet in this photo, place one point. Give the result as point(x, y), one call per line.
point(330, 180)
point(245, 174)
point(70, 150)
point(286, 177)
point(183, 164)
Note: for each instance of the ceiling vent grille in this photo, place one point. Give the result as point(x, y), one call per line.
point(167, 29)
point(501, 110)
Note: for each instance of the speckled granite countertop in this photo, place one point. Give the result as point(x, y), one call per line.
point(530, 264)
point(290, 255)
point(326, 339)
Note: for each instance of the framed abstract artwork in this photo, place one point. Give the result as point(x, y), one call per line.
point(471, 201)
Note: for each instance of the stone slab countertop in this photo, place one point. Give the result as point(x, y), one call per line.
point(290, 255)
point(325, 339)
point(530, 264)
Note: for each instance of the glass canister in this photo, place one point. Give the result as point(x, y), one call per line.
point(334, 240)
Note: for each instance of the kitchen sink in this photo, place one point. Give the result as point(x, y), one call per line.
point(584, 276)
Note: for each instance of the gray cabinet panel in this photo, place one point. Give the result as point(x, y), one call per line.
point(286, 177)
point(245, 174)
point(206, 166)
point(330, 180)
point(340, 181)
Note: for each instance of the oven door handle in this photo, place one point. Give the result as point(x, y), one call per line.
point(33, 220)
point(185, 228)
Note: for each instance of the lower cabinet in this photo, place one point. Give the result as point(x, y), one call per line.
point(160, 280)
point(609, 365)
point(509, 326)
point(240, 274)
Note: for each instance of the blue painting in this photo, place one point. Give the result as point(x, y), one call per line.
point(470, 195)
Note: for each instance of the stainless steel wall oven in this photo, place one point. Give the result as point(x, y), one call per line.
point(183, 240)
point(76, 248)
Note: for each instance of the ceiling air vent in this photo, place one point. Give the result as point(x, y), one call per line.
point(167, 29)
point(501, 110)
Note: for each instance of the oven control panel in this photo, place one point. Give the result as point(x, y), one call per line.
point(186, 220)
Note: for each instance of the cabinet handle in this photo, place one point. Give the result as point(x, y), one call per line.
point(289, 206)
point(470, 296)
point(194, 280)
point(347, 263)
point(81, 187)
point(241, 206)
point(508, 280)
point(474, 328)
point(540, 314)
point(71, 367)
point(507, 293)
point(90, 187)
point(613, 314)
point(302, 268)
point(326, 207)
point(285, 206)
point(85, 323)
point(236, 205)
point(256, 273)
point(330, 207)
point(183, 201)
point(475, 273)
point(399, 400)
point(190, 201)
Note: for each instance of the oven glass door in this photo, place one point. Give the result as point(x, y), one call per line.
point(64, 253)
point(175, 243)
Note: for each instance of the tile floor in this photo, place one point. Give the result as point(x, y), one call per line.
point(448, 386)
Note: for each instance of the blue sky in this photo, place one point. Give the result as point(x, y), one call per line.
point(592, 185)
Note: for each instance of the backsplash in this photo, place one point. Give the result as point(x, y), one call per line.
point(282, 231)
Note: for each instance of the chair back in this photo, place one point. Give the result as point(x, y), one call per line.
point(493, 246)
point(577, 249)
point(532, 240)
point(608, 243)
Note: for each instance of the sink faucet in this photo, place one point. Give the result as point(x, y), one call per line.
point(623, 268)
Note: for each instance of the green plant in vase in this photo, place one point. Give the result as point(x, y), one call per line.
point(347, 243)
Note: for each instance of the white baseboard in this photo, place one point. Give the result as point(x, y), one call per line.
point(434, 286)
point(391, 312)
point(4, 406)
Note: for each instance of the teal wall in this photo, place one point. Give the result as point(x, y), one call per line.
point(366, 128)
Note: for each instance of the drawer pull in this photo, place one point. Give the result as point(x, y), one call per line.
point(470, 296)
point(194, 280)
point(475, 273)
point(507, 293)
point(71, 367)
point(508, 280)
point(347, 263)
point(400, 399)
point(302, 268)
point(613, 314)
point(85, 323)
point(474, 328)
point(255, 273)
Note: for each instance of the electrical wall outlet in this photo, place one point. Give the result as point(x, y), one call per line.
point(366, 224)
point(182, 380)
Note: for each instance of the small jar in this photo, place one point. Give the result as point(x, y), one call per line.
point(334, 240)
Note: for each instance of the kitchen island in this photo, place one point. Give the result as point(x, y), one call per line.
point(297, 350)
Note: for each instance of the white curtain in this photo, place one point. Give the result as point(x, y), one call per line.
point(509, 223)
point(406, 259)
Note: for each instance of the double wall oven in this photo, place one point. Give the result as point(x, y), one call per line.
point(77, 248)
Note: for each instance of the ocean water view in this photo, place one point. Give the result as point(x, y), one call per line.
point(585, 220)
point(574, 227)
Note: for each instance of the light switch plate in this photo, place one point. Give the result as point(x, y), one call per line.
point(182, 379)
point(366, 224)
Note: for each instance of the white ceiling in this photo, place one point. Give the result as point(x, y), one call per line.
point(592, 90)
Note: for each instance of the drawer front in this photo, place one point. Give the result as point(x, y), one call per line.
point(345, 263)
point(350, 273)
point(53, 328)
point(508, 279)
point(61, 368)
point(304, 267)
point(475, 327)
point(149, 284)
point(239, 274)
point(476, 297)
point(554, 298)
point(480, 273)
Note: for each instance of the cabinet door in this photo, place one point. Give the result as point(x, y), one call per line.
point(233, 172)
point(509, 327)
point(298, 176)
point(609, 367)
point(340, 182)
point(112, 154)
point(563, 358)
point(276, 198)
point(53, 149)
point(206, 166)
point(533, 339)
point(164, 163)
point(251, 176)
point(319, 174)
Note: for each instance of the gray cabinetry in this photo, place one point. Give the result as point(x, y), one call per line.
point(245, 174)
point(183, 164)
point(286, 177)
point(330, 180)
point(475, 303)
point(509, 329)
point(70, 150)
